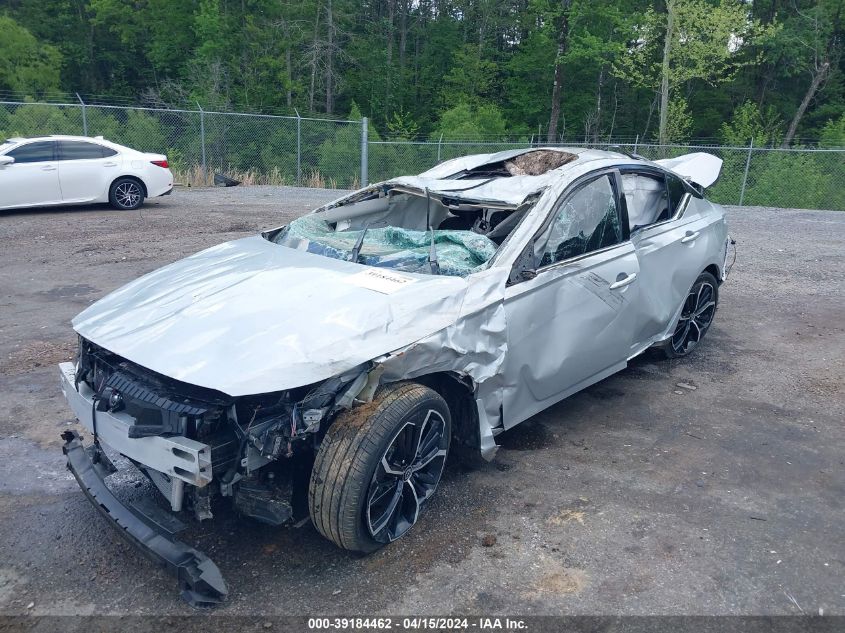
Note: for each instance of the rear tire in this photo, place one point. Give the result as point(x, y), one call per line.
point(697, 313)
point(378, 466)
point(126, 194)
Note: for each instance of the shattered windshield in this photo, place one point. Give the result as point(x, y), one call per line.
point(459, 252)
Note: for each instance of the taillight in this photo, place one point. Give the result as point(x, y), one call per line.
point(160, 163)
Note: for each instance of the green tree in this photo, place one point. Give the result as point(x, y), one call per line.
point(467, 122)
point(833, 134)
point(748, 123)
point(692, 40)
point(27, 66)
point(471, 78)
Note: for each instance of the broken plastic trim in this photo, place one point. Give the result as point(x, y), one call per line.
point(199, 579)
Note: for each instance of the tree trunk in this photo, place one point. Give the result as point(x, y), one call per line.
point(818, 78)
point(315, 54)
point(388, 80)
point(329, 58)
point(664, 82)
point(597, 123)
point(551, 136)
point(289, 67)
point(557, 87)
point(403, 45)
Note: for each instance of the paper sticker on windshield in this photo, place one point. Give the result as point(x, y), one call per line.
point(383, 281)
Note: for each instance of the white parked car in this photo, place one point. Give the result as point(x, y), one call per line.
point(55, 170)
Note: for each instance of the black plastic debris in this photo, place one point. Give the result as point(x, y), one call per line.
point(224, 181)
point(199, 579)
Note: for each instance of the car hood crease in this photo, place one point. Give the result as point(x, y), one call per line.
point(250, 316)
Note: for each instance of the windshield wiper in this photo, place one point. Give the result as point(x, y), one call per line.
point(356, 250)
point(432, 251)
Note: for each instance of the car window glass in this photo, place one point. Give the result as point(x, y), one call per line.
point(33, 152)
point(677, 192)
point(107, 151)
point(588, 220)
point(646, 198)
point(79, 150)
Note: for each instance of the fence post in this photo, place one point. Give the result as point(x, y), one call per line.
point(364, 149)
point(84, 116)
point(636, 143)
point(745, 175)
point(439, 143)
point(298, 148)
point(202, 142)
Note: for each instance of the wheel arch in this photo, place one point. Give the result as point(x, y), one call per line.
point(713, 269)
point(134, 177)
point(459, 393)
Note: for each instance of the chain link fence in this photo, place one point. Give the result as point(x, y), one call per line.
point(787, 178)
point(310, 152)
point(252, 148)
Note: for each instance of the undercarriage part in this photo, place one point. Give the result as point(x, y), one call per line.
point(199, 578)
point(263, 502)
point(156, 517)
point(173, 489)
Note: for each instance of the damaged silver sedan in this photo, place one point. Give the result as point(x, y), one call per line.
point(330, 367)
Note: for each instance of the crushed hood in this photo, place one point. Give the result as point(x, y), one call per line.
point(250, 316)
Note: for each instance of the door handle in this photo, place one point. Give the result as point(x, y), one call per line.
point(690, 236)
point(624, 281)
point(48, 168)
point(109, 164)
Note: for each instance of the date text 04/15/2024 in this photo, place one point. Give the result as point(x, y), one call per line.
point(417, 623)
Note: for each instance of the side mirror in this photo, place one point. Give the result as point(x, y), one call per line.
point(6, 160)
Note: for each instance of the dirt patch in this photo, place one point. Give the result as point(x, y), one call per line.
point(72, 291)
point(560, 582)
point(240, 227)
point(34, 354)
point(565, 517)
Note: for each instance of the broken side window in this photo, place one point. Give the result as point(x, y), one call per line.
point(588, 220)
point(677, 193)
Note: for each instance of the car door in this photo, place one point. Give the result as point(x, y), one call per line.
point(568, 321)
point(666, 237)
point(33, 179)
point(86, 170)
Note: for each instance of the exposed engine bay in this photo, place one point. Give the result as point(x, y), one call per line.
point(261, 447)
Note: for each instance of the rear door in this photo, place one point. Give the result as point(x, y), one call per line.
point(33, 179)
point(666, 237)
point(86, 170)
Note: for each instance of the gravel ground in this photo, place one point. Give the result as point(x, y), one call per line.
point(636, 496)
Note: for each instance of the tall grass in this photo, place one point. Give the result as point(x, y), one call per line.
point(195, 176)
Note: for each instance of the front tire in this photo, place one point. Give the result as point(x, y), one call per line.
point(696, 316)
point(378, 466)
point(126, 194)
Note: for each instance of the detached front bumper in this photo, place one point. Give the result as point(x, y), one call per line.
point(176, 456)
point(199, 578)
